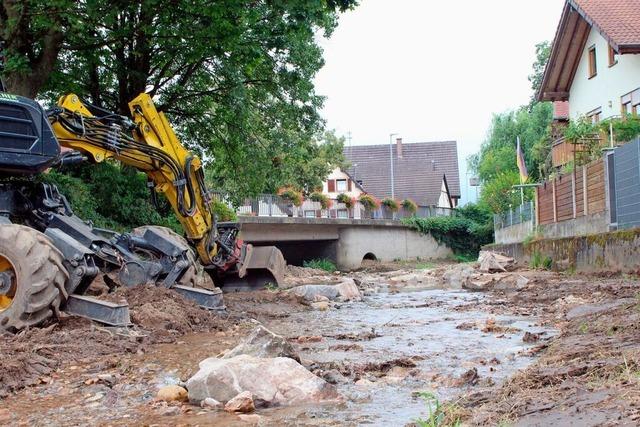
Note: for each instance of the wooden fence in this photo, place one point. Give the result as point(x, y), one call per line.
point(572, 195)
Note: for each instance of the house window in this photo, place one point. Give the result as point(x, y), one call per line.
point(631, 102)
point(593, 68)
point(613, 56)
point(341, 185)
point(595, 115)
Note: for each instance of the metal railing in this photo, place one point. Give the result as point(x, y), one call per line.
point(275, 206)
point(519, 215)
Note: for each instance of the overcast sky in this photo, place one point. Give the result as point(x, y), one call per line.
point(431, 70)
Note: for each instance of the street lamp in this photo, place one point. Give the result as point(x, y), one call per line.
point(393, 192)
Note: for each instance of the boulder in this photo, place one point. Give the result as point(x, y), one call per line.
point(478, 283)
point(264, 343)
point(173, 393)
point(457, 276)
point(491, 262)
point(348, 290)
point(243, 403)
point(309, 293)
point(273, 381)
point(345, 291)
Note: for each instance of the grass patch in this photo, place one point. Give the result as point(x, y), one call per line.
point(440, 415)
point(321, 264)
point(464, 258)
point(425, 266)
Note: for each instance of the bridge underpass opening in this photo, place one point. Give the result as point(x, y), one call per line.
point(369, 256)
point(297, 252)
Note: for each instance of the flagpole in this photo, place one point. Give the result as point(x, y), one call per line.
point(521, 188)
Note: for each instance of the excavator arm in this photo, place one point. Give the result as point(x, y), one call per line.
point(151, 147)
point(148, 143)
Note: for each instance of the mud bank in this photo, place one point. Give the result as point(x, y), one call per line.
point(542, 349)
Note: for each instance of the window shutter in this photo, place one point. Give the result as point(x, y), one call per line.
point(332, 185)
point(348, 185)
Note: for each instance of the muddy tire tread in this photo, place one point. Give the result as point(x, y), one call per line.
point(41, 276)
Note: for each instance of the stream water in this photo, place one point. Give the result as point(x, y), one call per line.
point(438, 331)
point(421, 325)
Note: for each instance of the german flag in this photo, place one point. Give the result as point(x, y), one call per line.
point(522, 167)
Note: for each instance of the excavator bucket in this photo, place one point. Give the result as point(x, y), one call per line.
point(259, 267)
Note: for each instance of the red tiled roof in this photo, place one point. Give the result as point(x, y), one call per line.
point(418, 174)
point(617, 20)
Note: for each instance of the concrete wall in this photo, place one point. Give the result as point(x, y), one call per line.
point(344, 241)
point(587, 94)
point(581, 226)
point(385, 244)
point(612, 251)
point(514, 233)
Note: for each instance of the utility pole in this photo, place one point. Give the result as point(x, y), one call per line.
point(349, 142)
point(393, 191)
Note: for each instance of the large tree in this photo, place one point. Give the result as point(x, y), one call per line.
point(235, 76)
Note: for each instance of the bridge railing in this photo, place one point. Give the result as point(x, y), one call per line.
point(276, 206)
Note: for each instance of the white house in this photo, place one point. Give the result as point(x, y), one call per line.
point(340, 182)
point(595, 59)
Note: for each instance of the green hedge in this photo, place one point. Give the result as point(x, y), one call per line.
point(465, 233)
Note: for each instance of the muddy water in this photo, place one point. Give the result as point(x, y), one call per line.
point(386, 326)
point(420, 325)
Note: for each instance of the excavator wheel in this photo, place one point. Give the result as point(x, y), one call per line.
point(195, 276)
point(32, 278)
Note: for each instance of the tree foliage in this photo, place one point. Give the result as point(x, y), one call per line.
point(543, 51)
point(498, 153)
point(235, 77)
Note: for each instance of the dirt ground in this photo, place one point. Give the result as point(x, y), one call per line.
point(586, 374)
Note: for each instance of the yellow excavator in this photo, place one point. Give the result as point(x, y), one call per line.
point(49, 257)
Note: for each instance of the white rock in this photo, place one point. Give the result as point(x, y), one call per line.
point(275, 381)
point(210, 402)
point(348, 290)
point(264, 343)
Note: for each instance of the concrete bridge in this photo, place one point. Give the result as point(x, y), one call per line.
point(345, 241)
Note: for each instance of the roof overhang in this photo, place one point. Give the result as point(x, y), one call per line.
point(566, 51)
point(568, 45)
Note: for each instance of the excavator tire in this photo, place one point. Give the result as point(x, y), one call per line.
point(195, 276)
point(33, 278)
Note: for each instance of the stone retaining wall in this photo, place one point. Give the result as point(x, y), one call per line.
point(611, 251)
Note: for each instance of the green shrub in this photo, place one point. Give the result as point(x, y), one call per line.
point(369, 202)
point(538, 261)
point(390, 204)
point(321, 264)
point(223, 212)
point(464, 236)
point(348, 202)
point(624, 130)
point(410, 206)
point(291, 195)
point(321, 198)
